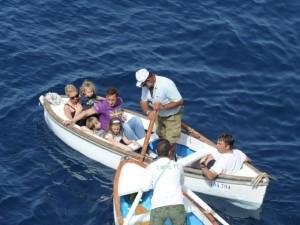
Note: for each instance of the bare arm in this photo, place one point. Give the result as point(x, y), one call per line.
point(170, 105)
point(144, 106)
point(67, 112)
point(146, 109)
point(84, 114)
point(127, 141)
point(117, 144)
point(211, 175)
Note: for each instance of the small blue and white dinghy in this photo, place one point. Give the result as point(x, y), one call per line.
point(132, 206)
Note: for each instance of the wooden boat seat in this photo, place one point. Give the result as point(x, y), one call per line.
point(140, 210)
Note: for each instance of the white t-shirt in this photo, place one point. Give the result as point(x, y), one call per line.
point(229, 163)
point(165, 176)
point(164, 91)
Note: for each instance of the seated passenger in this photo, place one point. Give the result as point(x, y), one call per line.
point(94, 125)
point(73, 107)
point(230, 161)
point(87, 94)
point(115, 135)
point(111, 107)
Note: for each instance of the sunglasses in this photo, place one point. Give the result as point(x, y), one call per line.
point(145, 82)
point(74, 97)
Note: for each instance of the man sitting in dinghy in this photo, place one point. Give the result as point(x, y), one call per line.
point(229, 162)
point(166, 178)
point(112, 107)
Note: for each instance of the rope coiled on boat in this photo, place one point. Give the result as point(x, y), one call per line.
point(256, 180)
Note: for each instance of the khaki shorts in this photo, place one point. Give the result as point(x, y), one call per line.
point(169, 127)
point(176, 213)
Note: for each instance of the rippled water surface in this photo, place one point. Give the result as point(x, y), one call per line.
point(235, 62)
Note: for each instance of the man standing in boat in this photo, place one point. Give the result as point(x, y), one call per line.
point(165, 177)
point(229, 162)
point(161, 94)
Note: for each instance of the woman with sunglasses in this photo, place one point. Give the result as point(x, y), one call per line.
point(73, 106)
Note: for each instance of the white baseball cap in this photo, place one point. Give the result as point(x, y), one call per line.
point(141, 76)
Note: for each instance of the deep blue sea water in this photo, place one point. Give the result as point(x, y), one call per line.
point(237, 64)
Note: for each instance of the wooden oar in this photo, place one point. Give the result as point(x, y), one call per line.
point(148, 135)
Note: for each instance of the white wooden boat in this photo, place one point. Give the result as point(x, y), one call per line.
point(246, 189)
point(132, 206)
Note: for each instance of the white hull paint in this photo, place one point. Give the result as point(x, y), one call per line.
point(85, 147)
point(239, 192)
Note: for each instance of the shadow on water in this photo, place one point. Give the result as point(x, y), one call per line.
point(226, 208)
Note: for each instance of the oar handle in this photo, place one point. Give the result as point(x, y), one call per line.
point(148, 135)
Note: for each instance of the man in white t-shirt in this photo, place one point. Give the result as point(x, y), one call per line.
point(230, 161)
point(166, 178)
point(161, 94)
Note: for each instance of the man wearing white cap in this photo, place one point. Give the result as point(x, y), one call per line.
point(161, 94)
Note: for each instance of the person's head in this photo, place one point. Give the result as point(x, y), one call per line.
point(225, 142)
point(144, 78)
point(93, 123)
point(112, 96)
point(115, 126)
point(163, 148)
point(72, 93)
point(88, 88)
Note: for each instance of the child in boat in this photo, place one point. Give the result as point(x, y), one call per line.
point(87, 94)
point(73, 106)
point(94, 125)
point(115, 135)
point(229, 162)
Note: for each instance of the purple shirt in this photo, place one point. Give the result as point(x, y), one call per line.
point(106, 112)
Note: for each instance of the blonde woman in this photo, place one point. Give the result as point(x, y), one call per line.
point(73, 106)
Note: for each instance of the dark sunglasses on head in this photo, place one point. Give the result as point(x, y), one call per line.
point(75, 96)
